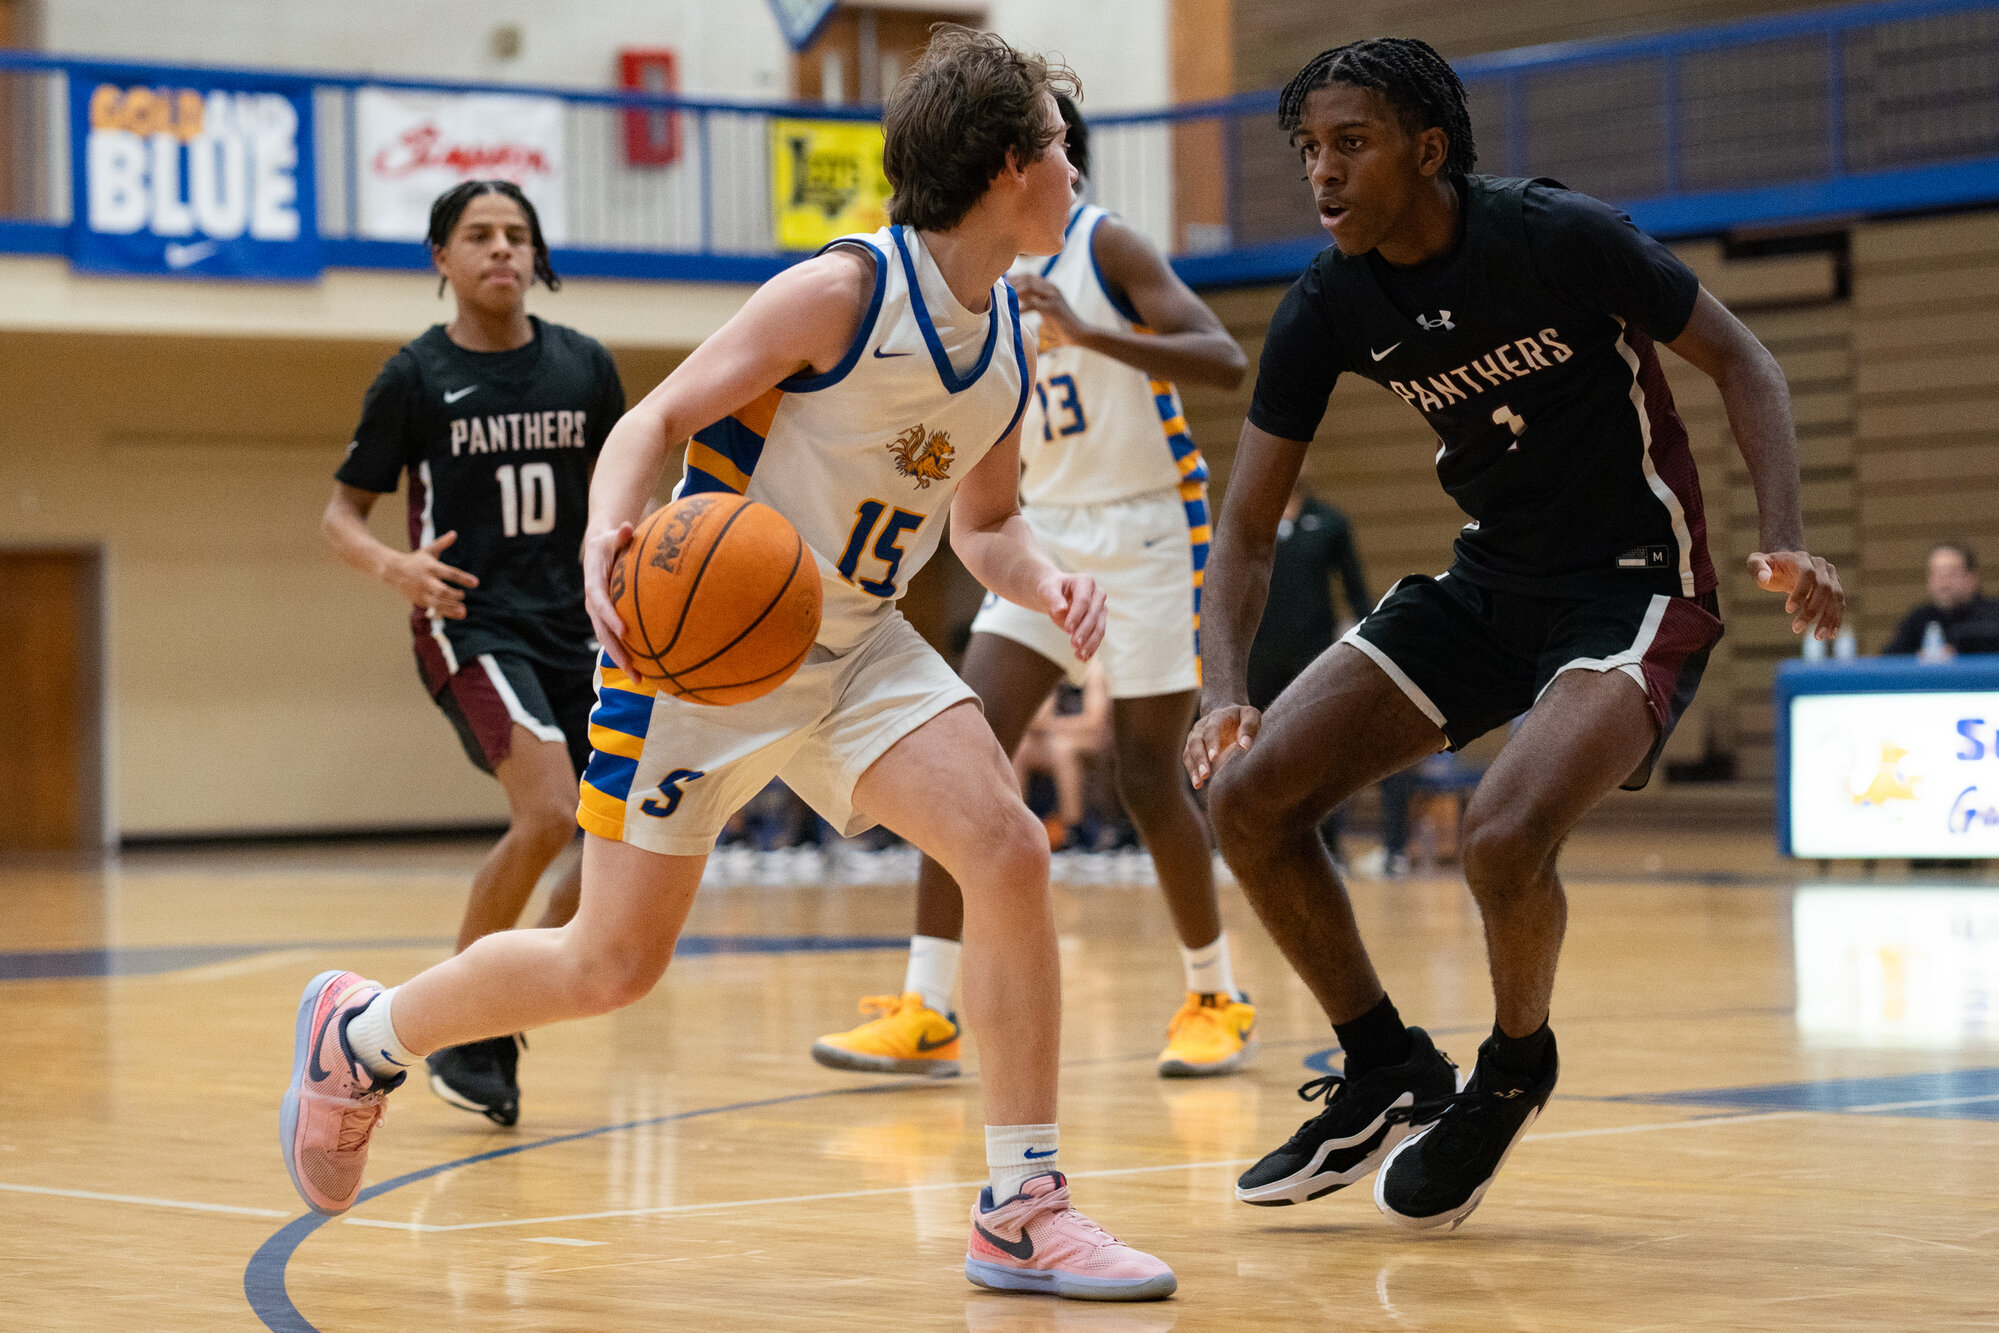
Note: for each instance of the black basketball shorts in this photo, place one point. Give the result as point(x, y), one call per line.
point(491, 694)
point(1474, 658)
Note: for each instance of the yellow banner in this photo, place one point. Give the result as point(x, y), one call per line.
point(826, 180)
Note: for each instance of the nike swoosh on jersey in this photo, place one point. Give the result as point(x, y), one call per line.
point(1383, 352)
point(1022, 1249)
point(453, 395)
point(886, 355)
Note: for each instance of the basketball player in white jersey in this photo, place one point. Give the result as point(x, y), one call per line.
point(864, 394)
point(1113, 487)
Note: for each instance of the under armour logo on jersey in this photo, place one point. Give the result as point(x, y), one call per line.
point(1442, 321)
point(670, 789)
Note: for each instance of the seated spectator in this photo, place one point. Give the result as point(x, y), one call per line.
point(1072, 728)
point(1967, 619)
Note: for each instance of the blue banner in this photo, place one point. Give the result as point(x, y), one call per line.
point(210, 176)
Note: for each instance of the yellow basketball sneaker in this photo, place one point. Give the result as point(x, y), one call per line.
point(1212, 1034)
point(902, 1036)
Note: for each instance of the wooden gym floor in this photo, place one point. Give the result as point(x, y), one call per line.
point(1779, 1109)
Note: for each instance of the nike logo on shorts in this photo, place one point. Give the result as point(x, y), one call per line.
point(455, 394)
point(886, 355)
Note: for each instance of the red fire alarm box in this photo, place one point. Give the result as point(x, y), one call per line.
point(652, 138)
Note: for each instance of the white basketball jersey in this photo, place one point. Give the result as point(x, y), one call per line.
point(1097, 430)
point(864, 458)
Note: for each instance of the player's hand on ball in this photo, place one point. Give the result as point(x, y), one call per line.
point(601, 548)
point(1076, 603)
point(428, 582)
point(1813, 596)
point(1216, 738)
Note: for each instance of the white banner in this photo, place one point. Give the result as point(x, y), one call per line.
point(1895, 774)
point(413, 146)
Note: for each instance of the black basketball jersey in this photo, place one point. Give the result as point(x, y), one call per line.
point(1529, 350)
point(499, 448)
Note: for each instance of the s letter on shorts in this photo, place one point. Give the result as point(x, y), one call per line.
point(192, 175)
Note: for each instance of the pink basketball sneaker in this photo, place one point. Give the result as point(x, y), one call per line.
point(1036, 1242)
point(333, 1103)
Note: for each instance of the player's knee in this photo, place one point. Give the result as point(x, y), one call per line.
point(1503, 854)
point(1013, 859)
point(545, 826)
point(623, 974)
point(1239, 808)
point(1150, 781)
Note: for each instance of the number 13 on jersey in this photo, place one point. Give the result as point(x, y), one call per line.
point(887, 546)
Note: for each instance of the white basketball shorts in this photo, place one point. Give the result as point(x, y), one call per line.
point(1148, 554)
point(666, 774)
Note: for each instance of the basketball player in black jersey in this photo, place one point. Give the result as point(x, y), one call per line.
point(497, 417)
point(1520, 320)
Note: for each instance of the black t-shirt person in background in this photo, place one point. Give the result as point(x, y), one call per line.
point(1966, 618)
point(496, 419)
point(1315, 545)
point(1520, 321)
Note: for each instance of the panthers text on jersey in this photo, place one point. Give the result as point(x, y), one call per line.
point(499, 447)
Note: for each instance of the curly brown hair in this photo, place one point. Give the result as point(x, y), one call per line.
point(969, 100)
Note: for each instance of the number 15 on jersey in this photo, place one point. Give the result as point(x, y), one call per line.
point(887, 546)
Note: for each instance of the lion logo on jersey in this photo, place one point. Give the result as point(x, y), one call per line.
point(926, 457)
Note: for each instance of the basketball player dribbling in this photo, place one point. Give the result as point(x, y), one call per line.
point(1114, 487)
point(862, 394)
point(497, 417)
point(1520, 320)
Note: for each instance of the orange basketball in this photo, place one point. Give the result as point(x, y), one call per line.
point(719, 596)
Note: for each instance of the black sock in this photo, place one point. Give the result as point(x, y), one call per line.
point(1375, 1040)
point(1522, 1059)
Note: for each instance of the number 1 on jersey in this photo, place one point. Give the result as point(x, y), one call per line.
point(888, 546)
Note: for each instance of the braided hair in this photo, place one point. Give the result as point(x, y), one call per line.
point(450, 206)
point(1409, 75)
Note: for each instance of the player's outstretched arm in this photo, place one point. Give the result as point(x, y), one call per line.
point(420, 575)
point(803, 319)
point(1758, 402)
point(1232, 596)
point(1185, 340)
point(997, 546)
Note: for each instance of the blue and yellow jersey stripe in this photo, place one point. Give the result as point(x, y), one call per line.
point(1193, 491)
point(724, 456)
point(617, 738)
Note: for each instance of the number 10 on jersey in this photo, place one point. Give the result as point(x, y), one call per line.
point(527, 505)
point(888, 545)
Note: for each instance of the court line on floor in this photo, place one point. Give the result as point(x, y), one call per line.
point(722, 1204)
point(188, 1204)
point(264, 1277)
point(1695, 1122)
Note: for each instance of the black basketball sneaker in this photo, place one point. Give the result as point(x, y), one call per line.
point(1437, 1175)
point(481, 1076)
point(1355, 1132)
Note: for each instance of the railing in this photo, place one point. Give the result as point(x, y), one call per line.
point(1816, 116)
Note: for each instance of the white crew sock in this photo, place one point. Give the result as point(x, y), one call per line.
point(933, 970)
point(371, 1035)
point(1208, 970)
point(1017, 1153)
